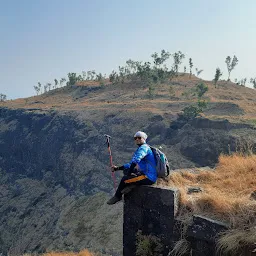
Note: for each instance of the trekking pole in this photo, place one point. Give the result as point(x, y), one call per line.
point(110, 159)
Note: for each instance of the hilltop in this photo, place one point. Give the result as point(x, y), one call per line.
point(228, 100)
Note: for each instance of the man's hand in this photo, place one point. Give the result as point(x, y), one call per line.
point(114, 168)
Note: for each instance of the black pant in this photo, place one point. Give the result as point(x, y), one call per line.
point(128, 180)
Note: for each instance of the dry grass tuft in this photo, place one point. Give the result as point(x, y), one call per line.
point(228, 242)
point(182, 247)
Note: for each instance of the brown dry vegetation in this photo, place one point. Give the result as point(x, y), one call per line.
point(81, 253)
point(225, 197)
point(226, 190)
point(133, 95)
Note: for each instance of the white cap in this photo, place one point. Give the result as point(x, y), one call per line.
point(141, 134)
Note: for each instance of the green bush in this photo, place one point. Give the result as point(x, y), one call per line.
point(148, 245)
point(201, 89)
point(190, 112)
point(193, 111)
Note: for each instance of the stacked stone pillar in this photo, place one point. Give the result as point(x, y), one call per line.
point(152, 210)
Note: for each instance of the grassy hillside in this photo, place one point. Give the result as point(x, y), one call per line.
point(228, 100)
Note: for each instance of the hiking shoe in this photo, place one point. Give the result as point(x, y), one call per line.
point(114, 200)
point(128, 189)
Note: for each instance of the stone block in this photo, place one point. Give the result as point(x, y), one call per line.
point(152, 210)
point(205, 229)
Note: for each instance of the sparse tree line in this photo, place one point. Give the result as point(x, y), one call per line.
point(72, 79)
point(48, 86)
point(155, 72)
point(231, 63)
point(150, 73)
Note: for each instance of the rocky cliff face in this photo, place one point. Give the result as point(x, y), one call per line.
point(53, 147)
point(53, 187)
point(54, 176)
point(202, 140)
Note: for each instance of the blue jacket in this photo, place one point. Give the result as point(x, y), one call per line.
point(145, 159)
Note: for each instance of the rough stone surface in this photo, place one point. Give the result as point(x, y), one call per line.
point(202, 234)
point(151, 210)
point(194, 190)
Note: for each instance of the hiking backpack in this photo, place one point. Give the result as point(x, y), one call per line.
point(162, 164)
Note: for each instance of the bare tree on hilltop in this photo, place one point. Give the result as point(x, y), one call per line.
point(159, 60)
point(37, 88)
point(49, 86)
point(253, 82)
point(62, 80)
point(56, 83)
point(231, 64)
point(2, 97)
point(218, 74)
point(190, 66)
point(177, 57)
point(243, 81)
point(45, 88)
point(198, 71)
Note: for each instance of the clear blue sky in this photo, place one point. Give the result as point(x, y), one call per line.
point(41, 40)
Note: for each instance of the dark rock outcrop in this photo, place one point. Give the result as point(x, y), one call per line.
point(151, 212)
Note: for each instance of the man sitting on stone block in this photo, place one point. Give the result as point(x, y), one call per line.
point(140, 171)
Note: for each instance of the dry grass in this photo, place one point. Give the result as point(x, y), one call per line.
point(182, 247)
point(81, 253)
point(225, 197)
point(226, 190)
point(237, 241)
point(62, 99)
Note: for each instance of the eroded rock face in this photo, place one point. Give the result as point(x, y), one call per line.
point(52, 146)
point(224, 109)
point(202, 140)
